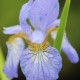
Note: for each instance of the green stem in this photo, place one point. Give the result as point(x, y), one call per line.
point(2, 61)
point(62, 26)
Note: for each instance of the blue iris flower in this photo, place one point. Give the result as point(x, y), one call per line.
point(39, 61)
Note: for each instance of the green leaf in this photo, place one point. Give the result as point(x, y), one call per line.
point(2, 61)
point(62, 26)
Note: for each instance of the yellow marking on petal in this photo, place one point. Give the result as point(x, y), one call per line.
point(33, 47)
point(36, 47)
point(21, 35)
point(44, 45)
point(50, 30)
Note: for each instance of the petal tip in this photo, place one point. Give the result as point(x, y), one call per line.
point(9, 73)
point(76, 60)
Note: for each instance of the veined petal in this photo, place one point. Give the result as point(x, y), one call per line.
point(15, 50)
point(13, 30)
point(67, 48)
point(41, 65)
point(43, 13)
point(24, 16)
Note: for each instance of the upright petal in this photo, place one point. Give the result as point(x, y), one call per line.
point(15, 50)
point(43, 65)
point(24, 16)
point(43, 13)
point(13, 30)
point(67, 48)
point(55, 23)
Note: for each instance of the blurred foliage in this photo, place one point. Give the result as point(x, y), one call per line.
point(2, 61)
point(9, 14)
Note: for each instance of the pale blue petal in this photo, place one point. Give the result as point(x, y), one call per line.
point(43, 13)
point(43, 65)
point(55, 23)
point(13, 30)
point(15, 50)
point(37, 36)
point(67, 48)
point(24, 16)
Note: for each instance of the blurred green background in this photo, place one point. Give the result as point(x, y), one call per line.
point(9, 14)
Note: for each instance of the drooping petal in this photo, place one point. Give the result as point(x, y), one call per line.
point(13, 30)
point(43, 13)
point(67, 48)
point(69, 51)
point(15, 50)
point(37, 37)
point(43, 65)
point(24, 16)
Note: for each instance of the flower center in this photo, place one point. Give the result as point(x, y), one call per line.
point(32, 46)
point(36, 47)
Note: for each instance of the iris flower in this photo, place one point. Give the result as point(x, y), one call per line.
point(39, 61)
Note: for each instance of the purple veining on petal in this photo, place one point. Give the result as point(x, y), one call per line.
point(42, 65)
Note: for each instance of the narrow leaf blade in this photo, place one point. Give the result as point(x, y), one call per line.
point(62, 26)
